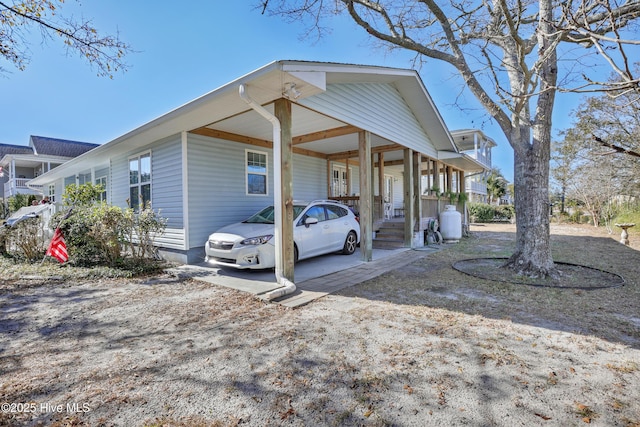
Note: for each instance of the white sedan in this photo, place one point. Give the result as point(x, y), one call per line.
point(320, 227)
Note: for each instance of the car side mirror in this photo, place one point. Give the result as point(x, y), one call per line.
point(309, 221)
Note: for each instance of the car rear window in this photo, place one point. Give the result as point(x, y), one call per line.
point(335, 212)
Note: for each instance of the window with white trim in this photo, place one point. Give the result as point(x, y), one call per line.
point(103, 182)
point(140, 181)
point(52, 193)
point(256, 172)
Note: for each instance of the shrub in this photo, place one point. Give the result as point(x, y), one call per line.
point(507, 212)
point(19, 201)
point(481, 212)
point(24, 241)
point(98, 234)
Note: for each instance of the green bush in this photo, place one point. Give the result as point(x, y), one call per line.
point(481, 212)
point(19, 201)
point(103, 234)
point(97, 233)
point(507, 212)
point(626, 216)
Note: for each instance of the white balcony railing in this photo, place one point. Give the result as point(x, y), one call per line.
point(477, 187)
point(19, 186)
point(483, 159)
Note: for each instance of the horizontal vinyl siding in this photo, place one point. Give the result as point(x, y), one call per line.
point(309, 178)
point(378, 108)
point(217, 186)
point(166, 186)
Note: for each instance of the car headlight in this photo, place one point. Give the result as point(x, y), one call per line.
point(259, 240)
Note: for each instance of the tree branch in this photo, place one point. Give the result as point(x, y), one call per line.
point(617, 148)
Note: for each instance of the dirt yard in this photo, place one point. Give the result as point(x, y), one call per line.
point(424, 345)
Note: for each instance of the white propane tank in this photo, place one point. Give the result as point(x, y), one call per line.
point(451, 224)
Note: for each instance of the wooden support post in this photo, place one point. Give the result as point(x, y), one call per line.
point(381, 174)
point(329, 179)
point(436, 175)
point(366, 214)
point(417, 193)
point(282, 110)
point(346, 164)
point(408, 197)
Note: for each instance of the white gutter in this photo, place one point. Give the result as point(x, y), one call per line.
point(288, 286)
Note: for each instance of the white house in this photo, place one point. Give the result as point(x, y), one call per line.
point(365, 135)
point(19, 164)
point(478, 146)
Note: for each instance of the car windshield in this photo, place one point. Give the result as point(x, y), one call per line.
point(266, 215)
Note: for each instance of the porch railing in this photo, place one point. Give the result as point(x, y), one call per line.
point(354, 203)
point(19, 185)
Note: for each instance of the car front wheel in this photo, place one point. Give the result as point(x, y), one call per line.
point(350, 243)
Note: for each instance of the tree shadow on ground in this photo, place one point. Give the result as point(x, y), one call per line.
point(608, 313)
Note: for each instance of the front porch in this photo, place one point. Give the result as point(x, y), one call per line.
point(403, 204)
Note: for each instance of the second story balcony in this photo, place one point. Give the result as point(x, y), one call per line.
point(19, 186)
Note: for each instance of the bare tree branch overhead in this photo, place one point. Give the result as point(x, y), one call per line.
point(103, 51)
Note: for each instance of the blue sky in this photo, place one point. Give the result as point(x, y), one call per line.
point(184, 50)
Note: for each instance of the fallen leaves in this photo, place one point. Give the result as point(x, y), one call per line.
point(586, 413)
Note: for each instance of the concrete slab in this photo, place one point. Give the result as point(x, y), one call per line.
point(314, 278)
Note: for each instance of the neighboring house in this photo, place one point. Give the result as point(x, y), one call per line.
point(368, 136)
point(20, 164)
point(478, 146)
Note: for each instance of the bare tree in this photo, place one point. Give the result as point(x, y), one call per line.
point(508, 54)
point(17, 18)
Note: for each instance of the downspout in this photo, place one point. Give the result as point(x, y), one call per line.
point(288, 286)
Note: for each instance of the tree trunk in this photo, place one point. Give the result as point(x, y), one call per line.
point(532, 255)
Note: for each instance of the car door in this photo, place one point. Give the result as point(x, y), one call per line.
point(337, 226)
point(312, 239)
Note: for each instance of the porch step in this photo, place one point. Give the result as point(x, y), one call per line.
point(390, 235)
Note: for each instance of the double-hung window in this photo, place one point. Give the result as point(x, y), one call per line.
point(256, 164)
point(140, 181)
point(52, 193)
point(102, 181)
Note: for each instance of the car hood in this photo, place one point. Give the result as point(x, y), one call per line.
point(243, 229)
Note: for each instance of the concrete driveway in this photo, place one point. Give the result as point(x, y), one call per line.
point(314, 277)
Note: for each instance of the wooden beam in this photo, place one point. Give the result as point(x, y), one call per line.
point(354, 153)
point(325, 134)
point(343, 155)
point(234, 137)
point(228, 136)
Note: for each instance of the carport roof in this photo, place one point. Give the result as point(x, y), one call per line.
point(266, 85)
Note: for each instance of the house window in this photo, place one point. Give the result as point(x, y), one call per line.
point(84, 178)
point(256, 172)
point(52, 193)
point(103, 182)
point(140, 181)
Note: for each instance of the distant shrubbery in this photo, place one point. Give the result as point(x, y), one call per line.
point(483, 212)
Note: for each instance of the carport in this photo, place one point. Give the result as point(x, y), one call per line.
point(367, 116)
